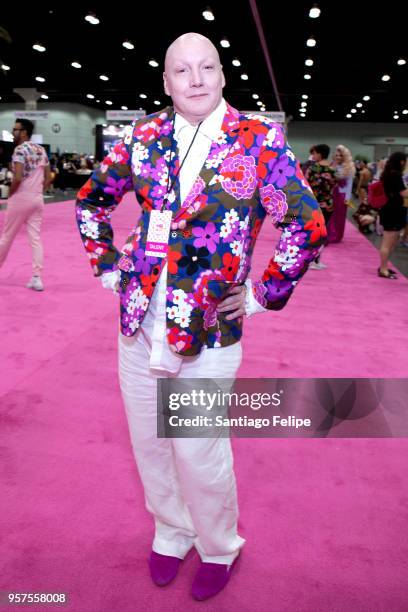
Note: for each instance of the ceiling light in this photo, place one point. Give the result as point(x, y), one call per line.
point(157, 102)
point(309, 62)
point(5, 67)
point(225, 43)
point(401, 62)
point(108, 102)
point(153, 63)
point(124, 108)
point(208, 14)
point(142, 96)
point(366, 98)
point(244, 77)
point(385, 77)
point(90, 96)
point(236, 62)
point(305, 97)
point(314, 12)
point(76, 65)
point(92, 19)
point(103, 77)
point(307, 76)
point(311, 42)
point(40, 79)
point(128, 45)
point(255, 96)
point(349, 116)
point(39, 47)
point(44, 96)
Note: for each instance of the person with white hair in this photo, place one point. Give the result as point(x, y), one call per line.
point(345, 172)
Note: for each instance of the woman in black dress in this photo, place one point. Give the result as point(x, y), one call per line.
point(393, 214)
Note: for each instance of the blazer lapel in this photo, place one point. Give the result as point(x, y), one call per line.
point(221, 147)
point(158, 137)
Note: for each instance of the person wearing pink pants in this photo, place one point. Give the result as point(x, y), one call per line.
point(31, 174)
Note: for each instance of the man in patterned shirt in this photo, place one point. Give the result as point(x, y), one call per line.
point(31, 176)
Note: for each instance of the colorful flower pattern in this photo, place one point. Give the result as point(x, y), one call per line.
point(31, 155)
point(238, 176)
point(250, 174)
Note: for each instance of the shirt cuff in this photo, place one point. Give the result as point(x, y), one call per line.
point(111, 280)
point(251, 305)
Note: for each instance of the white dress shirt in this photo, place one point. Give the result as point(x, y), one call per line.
point(153, 330)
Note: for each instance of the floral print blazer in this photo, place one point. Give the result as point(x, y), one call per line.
point(250, 173)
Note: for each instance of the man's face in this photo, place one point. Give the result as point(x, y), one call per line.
point(193, 78)
point(18, 131)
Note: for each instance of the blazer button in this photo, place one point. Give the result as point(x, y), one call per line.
point(174, 234)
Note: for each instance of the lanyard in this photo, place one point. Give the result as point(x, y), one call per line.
point(170, 186)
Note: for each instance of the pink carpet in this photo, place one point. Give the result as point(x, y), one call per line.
point(325, 520)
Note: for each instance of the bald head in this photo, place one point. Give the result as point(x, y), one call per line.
point(185, 42)
point(193, 77)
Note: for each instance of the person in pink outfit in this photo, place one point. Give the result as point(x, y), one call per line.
point(31, 176)
point(345, 171)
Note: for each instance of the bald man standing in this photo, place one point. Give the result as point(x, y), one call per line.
point(206, 177)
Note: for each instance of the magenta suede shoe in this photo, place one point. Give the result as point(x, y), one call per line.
point(163, 568)
point(210, 579)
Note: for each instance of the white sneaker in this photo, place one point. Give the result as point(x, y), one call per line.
point(36, 284)
point(317, 266)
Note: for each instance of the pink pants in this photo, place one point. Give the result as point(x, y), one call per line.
point(24, 209)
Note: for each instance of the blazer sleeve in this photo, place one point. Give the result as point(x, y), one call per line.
point(289, 201)
point(95, 202)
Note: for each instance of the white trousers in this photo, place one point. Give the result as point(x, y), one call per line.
point(189, 483)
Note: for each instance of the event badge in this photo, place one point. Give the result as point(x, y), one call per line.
point(157, 243)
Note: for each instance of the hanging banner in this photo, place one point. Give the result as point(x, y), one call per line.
point(276, 116)
point(31, 114)
point(390, 140)
point(124, 115)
